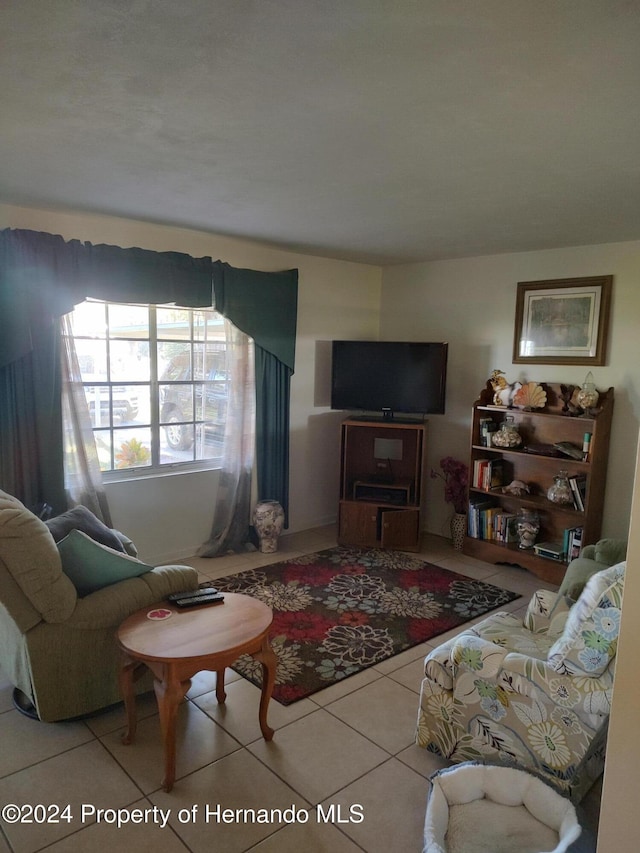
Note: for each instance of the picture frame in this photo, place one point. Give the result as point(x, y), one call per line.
point(562, 321)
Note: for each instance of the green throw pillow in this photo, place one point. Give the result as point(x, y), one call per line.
point(91, 566)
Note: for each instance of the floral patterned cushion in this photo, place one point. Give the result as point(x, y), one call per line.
point(547, 613)
point(589, 640)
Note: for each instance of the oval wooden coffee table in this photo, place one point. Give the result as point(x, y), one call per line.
point(210, 637)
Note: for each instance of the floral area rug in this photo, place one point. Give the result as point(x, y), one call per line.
point(342, 610)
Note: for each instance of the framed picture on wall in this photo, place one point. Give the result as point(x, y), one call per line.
point(562, 321)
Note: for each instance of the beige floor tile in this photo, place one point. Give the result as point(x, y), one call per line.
point(519, 580)
point(146, 837)
point(239, 714)
point(467, 566)
point(115, 718)
point(410, 676)
point(421, 760)
point(198, 742)
point(382, 829)
point(309, 541)
point(318, 755)
point(26, 741)
point(84, 775)
point(385, 712)
point(315, 836)
point(238, 781)
point(205, 682)
point(435, 546)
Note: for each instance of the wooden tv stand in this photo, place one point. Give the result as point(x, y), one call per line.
point(381, 498)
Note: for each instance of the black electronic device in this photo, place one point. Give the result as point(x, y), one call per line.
point(389, 377)
point(197, 600)
point(206, 590)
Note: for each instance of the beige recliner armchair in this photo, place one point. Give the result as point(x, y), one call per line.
point(57, 648)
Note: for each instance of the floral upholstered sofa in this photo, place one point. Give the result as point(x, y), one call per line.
point(535, 693)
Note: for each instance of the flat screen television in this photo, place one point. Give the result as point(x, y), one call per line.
point(389, 377)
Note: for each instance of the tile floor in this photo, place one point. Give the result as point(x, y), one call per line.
point(343, 761)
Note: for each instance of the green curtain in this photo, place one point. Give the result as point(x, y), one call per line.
point(264, 305)
point(273, 380)
point(31, 441)
point(42, 277)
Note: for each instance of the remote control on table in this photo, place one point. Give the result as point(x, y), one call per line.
point(215, 598)
point(207, 590)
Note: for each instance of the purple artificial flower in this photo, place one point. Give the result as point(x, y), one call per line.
point(455, 475)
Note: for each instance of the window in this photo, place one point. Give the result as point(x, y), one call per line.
point(155, 381)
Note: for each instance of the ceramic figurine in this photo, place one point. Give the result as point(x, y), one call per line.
point(503, 391)
point(530, 396)
point(566, 393)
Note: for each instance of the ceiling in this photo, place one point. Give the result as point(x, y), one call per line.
point(383, 131)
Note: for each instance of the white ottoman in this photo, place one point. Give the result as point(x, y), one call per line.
point(480, 808)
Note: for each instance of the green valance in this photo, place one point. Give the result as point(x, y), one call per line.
point(42, 277)
point(264, 305)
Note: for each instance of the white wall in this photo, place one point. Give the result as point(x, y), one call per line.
point(471, 303)
point(169, 517)
point(618, 828)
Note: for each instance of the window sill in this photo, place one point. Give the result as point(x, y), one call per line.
point(137, 474)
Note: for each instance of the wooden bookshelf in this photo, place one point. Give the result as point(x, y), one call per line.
point(546, 426)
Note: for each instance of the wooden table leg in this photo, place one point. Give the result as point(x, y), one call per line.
point(268, 659)
point(220, 691)
point(169, 692)
point(126, 679)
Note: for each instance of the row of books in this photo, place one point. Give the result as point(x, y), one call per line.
point(488, 474)
point(487, 521)
point(493, 523)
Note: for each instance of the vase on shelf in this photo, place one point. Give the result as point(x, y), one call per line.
point(507, 436)
point(528, 525)
point(560, 492)
point(458, 529)
point(268, 520)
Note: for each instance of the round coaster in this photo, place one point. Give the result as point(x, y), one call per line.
point(159, 613)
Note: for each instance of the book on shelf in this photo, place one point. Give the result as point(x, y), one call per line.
point(550, 550)
point(578, 484)
point(567, 448)
point(505, 527)
point(572, 542)
point(488, 474)
point(486, 427)
point(477, 516)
